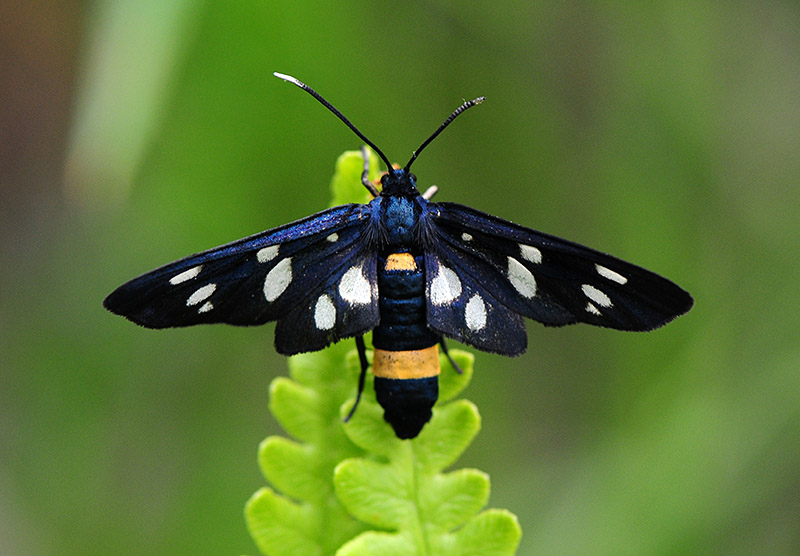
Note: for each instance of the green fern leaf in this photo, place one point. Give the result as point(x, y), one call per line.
point(335, 480)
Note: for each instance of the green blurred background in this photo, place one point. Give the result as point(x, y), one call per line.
point(134, 133)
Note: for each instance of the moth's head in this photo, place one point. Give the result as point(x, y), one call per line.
point(399, 181)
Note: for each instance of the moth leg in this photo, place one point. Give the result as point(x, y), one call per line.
point(430, 192)
point(458, 369)
point(365, 174)
point(362, 357)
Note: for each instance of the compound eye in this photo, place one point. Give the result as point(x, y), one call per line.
point(384, 179)
point(412, 177)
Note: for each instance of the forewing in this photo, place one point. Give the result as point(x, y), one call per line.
point(254, 280)
point(548, 279)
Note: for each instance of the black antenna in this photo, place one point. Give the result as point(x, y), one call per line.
point(338, 114)
point(447, 122)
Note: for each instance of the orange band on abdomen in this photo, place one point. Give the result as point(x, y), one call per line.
point(400, 261)
point(418, 363)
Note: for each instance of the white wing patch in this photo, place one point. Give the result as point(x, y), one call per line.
point(445, 286)
point(610, 274)
point(596, 295)
point(201, 294)
point(521, 278)
point(475, 313)
point(590, 308)
point(354, 286)
point(185, 275)
point(324, 313)
point(267, 253)
point(333, 238)
point(278, 279)
point(531, 254)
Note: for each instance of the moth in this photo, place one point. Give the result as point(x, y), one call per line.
point(413, 272)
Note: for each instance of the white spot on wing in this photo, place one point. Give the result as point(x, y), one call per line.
point(590, 308)
point(201, 294)
point(610, 274)
point(596, 295)
point(521, 278)
point(354, 286)
point(445, 286)
point(267, 253)
point(205, 307)
point(530, 253)
point(278, 279)
point(324, 313)
point(466, 237)
point(475, 313)
point(333, 238)
point(185, 275)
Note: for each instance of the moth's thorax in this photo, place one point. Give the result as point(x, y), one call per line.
point(400, 217)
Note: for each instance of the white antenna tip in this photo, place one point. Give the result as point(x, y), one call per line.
point(286, 77)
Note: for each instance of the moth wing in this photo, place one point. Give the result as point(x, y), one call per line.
point(548, 279)
point(257, 279)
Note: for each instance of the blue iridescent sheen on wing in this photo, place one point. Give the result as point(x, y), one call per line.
point(253, 280)
point(407, 269)
point(552, 280)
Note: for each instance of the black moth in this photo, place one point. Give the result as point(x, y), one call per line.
point(411, 271)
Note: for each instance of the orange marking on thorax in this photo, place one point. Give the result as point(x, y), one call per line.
point(418, 363)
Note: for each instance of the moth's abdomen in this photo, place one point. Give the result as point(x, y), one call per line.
point(406, 358)
point(401, 303)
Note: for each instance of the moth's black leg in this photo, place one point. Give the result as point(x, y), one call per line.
point(365, 174)
point(362, 357)
point(458, 369)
